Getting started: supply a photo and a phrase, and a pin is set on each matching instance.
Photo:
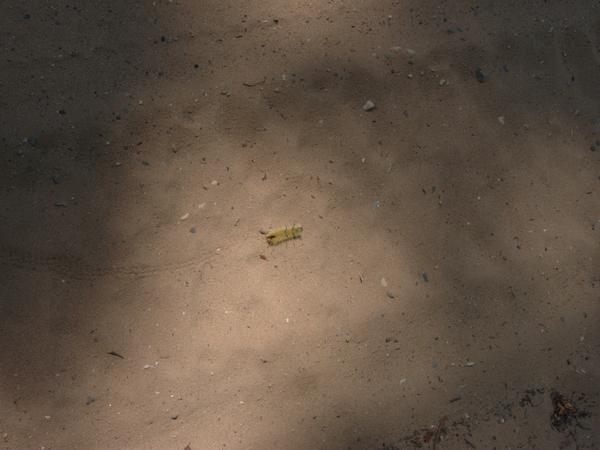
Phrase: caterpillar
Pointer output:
(278, 235)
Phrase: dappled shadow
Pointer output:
(78, 99)
(132, 211)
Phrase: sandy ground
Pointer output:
(446, 286)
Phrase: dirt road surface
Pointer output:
(444, 294)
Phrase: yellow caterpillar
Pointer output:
(278, 235)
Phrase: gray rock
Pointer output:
(369, 105)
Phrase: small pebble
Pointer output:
(214, 182)
(185, 216)
(469, 364)
(368, 106)
(425, 277)
(193, 230)
(384, 282)
(390, 294)
(501, 119)
(480, 75)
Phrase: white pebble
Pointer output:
(368, 106)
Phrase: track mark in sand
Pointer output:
(76, 268)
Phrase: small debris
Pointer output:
(469, 364)
(89, 400)
(368, 106)
(376, 204)
(384, 282)
(263, 257)
(453, 30)
(425, 277)
(31, 141)
(193, 230)
(214, 182)
(469, 443)
(455, 399)
(262, 231)
(253, 83)
(565, 412)
(527, 399)
(175, 417)
(501, 119)
(201, 205)
(503, 412)
(116, 355)
(60, 204)
(187, 447)
(186, 216)
(390, 294)
(481, 75)
(442, 82)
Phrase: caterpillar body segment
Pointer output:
(278, 235)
